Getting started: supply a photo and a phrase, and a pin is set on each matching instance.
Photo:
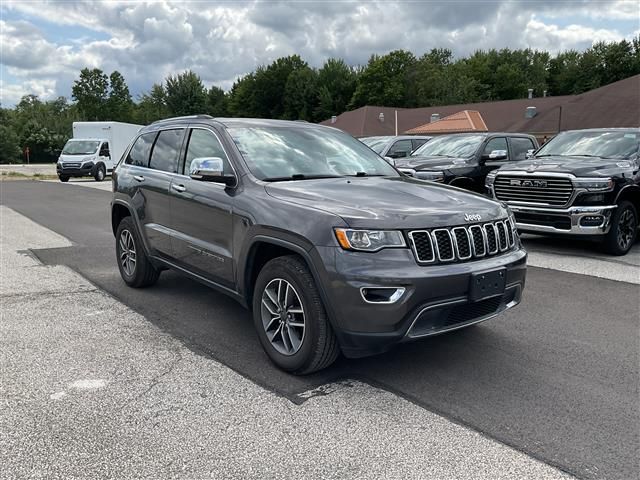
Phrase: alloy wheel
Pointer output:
(127, 252)
(283, 316)
(626, 228)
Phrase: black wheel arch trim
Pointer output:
(631, 188)
(306, 254)
(136, 222)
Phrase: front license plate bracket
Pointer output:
(487, 284)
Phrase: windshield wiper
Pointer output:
(299, 176)
(365, 174)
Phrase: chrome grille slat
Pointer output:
(462, 243)
(547, 190)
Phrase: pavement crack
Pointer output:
(156, 380)
(48, 293)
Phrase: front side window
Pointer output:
(80, 147)
(139, 153)
(453, 146)
(377, 144)
(499, 143)
(167, 150)
(520, 146)
(104, 150)
(280, 153)
(592, 143)
(401, 148)
(203, 144)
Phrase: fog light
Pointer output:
(591, 220)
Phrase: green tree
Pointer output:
(185, 94)
(300, 94)
(242, 97)
(336, 83)
(119, 104)
(386, 81)
(216, 102)
(90, 92)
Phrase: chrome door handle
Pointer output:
(179, 188)
(138, 178)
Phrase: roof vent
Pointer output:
(530, 112)
(530, 92)
(434, 117)
(381, 117)
(333, 119)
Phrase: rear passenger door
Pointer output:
(202, 212)
(154, 186)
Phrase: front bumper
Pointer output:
(595, 220)
(436, 298)
(85, 170)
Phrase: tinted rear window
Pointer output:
(139, 153)
(167, 150)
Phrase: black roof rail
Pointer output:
(185, 117)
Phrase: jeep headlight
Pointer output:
(594, 184)
(369, 240)
(432, 176)
(491, 177)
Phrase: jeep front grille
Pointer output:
(552, 191)
(462, 243)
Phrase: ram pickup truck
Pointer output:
(583, 182)
(331, 247)
(465, 159)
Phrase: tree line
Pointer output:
(289, 88)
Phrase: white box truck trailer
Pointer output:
(94, 149)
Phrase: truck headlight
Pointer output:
(369, 240)
(491, 177)
(432, 176)
(594, 184)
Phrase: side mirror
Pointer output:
(390, 161)
(495, 155)
(529, 153)
(210, 169)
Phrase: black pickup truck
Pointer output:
(582, 182)
(464, 159)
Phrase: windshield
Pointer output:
(298, 153)
(80, 147)
(592, 144)
(458, 146)
(376, 144)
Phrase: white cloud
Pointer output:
(222, 41)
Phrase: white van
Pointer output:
(94, 149)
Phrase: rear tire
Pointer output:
(63, 178)
(134, 265)
(300, 350)
(623, 231)
(100, 173)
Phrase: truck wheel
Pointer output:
(100, 173)
(63, 178)
(623, 231)
(290, 318)
(134, 265)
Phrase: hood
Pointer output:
(430, 163)
(388, 202)
(578, 166)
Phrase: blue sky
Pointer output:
(45, 44)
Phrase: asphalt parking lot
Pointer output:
(556, 378)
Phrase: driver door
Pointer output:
(491, 149)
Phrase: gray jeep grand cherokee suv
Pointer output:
(329, 246)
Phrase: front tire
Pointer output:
(100, 173)
(63, 178)
(623, 231)
(290, 318)
(135, 268)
